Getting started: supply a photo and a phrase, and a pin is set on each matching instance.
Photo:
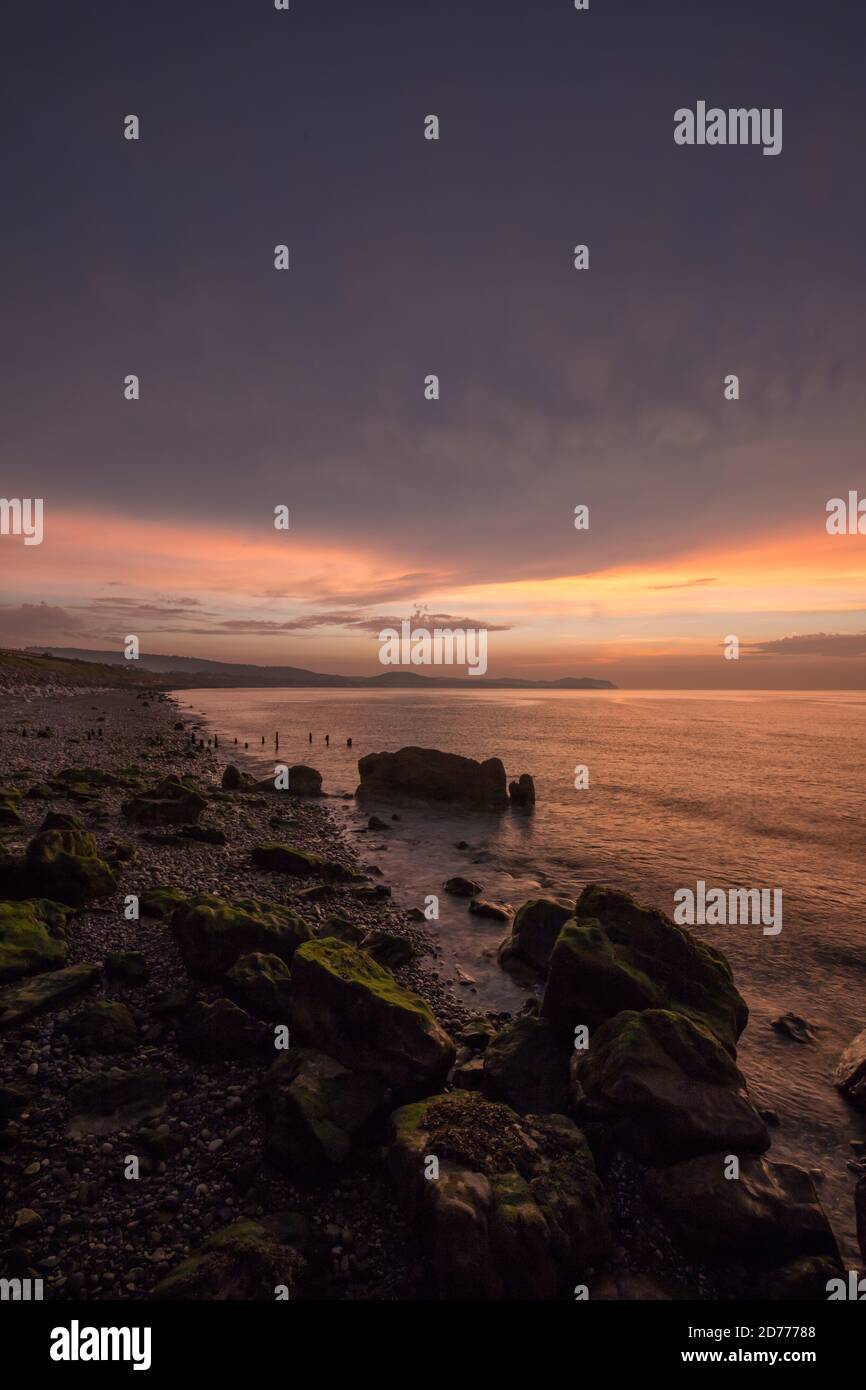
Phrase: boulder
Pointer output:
(496, 912)
(59, 820)
(426, 774)
(534, 931)
(160, 902)
(20, 1002)
(213, 932)
(283, 859)
(461, 887)
(617, 955)
(314, 1110)
(354, 1009)
(101, 1027)
(517, 1210)
(304, 781)
(173, 801)
(521, 793)
(9, 815)
(233, 780)
(219, 1032)
(32, 937)
(108, 1101)
(388, 949)
(527, 1067)
(667, 1089)
(850, 1074)
(129, 966)
(771, 1212)
(243, 1261)
(62, 865)
(262, 985)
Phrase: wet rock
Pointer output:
(173, 801)
(521, 793)
(32, 937)
(243, 1261)
(793, 1027)
(213, 932)
(354, 1009)
(527, 1067)
(479, 907)
(462, 887)
(771, 1211)
(667, 1089)
(128, 966)
(376, 823)
(426, 774)
(850, 1074)
(314, 1110)
(616, 955)
(388, 949)
(304, 781)
(204, 834)
(534, 931)
(262, 985)
(21, 1001)
(517, 1210)
(233, 780)
(219, 1032)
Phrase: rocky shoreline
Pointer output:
(158, 1139)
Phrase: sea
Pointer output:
(647, 791)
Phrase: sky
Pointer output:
(558, 388)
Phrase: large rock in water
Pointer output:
(304, 781)
(618, 955)
(667, 1089)
(244, 1261)
(314, 1109)
(850, 1075)
(212, 932)
(174, 801)
(534, 933)
(426, 774)
(32, 937)
(770, 1212)
(354, 1009)
(517, 1211)
(62, 865)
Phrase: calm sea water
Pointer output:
(754, 790)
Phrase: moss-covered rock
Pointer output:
(129, 966)
(667, 1088)
(9, 814)
(262, 985)
(213, 932)
(616, 955)
(160, 902)
(32, 937)
(315, 1110)
(770, 1212)
(173, 801)
(21, 1001)
(301, 863)
(107, 1101)
(64, 865)
(243, 1261)
(527, 1067)
(101, 1027)
(220, 1032)
(516, 1211)
(534, 931)
(354, 1009)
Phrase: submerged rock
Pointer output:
(517, 1210)
(314, 1110)
(497, 912)
(426, 774)
(666, 1088)
(243, 1261)
(794, 1027)
(262, 985)
(462, 887)
(354, 1009)
(213, 932)
(616, 955)
(32, 937)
